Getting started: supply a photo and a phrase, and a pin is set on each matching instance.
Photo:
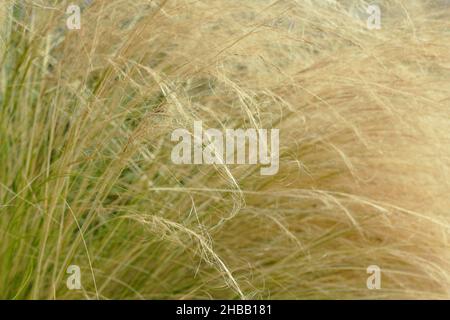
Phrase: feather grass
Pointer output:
(85, 170)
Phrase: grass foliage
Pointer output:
(86, 176)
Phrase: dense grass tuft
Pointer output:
(85, 171)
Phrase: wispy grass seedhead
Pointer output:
(86, 177)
